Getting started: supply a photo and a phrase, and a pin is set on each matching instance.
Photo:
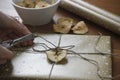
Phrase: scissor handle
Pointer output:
(6, 43)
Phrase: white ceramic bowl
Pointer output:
(34, 16)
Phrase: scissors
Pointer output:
(11, 43)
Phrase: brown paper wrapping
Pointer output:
(92, 13)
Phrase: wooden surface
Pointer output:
(109, 5)
(7, 8)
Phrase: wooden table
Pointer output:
(7, 8)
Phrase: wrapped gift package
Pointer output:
(91, 60)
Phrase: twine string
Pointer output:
(68, 48)
(51, 70)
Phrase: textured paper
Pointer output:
(35, 64)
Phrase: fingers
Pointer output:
(9, 23)
(5, 54)
(21, 30)
(12, 35)
(3, 61)
(28, 43)
(5, 21)
(4, 34)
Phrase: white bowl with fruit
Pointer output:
(36, 12)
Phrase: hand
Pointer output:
(5, 55)
(10, 28)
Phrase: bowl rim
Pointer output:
(13, 3)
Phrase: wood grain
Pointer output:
(109, 5)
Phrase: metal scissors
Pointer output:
(11, 43)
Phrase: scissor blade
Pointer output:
(23, 39)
